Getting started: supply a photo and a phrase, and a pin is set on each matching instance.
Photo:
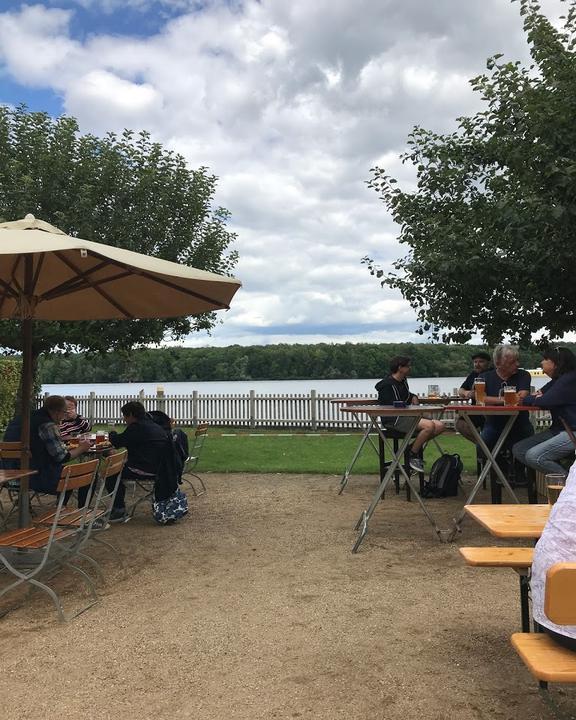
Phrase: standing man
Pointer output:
(73, 423)
(393, 388)
(481, 361)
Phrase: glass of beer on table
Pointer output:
(100, 437)
(480, 391)
(510, 395)
(555, 483)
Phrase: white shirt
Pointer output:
(557, 544)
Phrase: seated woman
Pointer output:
(542, 451)
(557, 544)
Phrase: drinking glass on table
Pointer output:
(555, 483)
(510, 395)
(480, 391)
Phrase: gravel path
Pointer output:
(255, 608)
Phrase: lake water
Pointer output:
(260, 387)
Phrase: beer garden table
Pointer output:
(513, 521)
(373, 413)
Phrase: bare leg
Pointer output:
(427, 430)
(464, 430)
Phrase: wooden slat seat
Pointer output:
(68, 517)
(546, 660)
(510, 557)
(32, 538)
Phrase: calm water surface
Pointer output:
(260, 387)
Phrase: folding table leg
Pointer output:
(489, 463)
(365, 437)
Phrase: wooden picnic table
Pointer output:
(511, 521)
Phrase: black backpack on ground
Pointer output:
(444, 477)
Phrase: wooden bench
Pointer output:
(517, 558)
(546, 660)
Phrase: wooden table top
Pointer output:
(9, 475)
(393, 411)
(511, 521)
(493, 409)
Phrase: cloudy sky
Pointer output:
(290, 103)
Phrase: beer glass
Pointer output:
(100, 437)
(480, 391)
(433, 391)
(510, 395)
(555, 483)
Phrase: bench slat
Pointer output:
(511, 557)
(545, 659)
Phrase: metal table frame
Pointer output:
(367, 425)
(374, 412)
(466, 411)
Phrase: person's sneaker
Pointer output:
(416, 464)
(100, 524)
(119, 515)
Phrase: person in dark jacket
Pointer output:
(149, 448)
(542, 451)
(481, 361)
(394, 388)
(48, 452)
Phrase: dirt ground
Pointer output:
(255, 608)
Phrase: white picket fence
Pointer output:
(307, 411)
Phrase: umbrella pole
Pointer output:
(24, 494)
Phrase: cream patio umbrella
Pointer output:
(48, 275)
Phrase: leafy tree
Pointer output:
(491, 224)
(122, 190)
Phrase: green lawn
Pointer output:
(301, 453)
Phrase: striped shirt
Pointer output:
(74, 427)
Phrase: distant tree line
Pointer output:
(267, 362)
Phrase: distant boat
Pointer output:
(537, 372)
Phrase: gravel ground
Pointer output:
(255, 608)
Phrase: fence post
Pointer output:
(252, 409)
(160, 399)
(194, 408)
(91, 406)
(313, 410)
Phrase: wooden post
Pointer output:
(91, 406)
(194, 408)
(252, 409)
(313, 410)
(160, 399)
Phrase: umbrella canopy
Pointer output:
(48, 275)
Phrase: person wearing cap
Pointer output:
(481, 363)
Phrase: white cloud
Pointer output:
(290, 104)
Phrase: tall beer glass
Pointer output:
(480, 391)
(510, 395)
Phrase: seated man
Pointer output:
(147, 444)
(394, 388)
(48, 452)
(506, 372)
(557, 544)
(179, 439)
(73, 423)
(481, 361)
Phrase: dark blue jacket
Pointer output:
(558, 396)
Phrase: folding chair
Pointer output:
(200, 436)
(31, 552)
(10, 458)
(93, 520)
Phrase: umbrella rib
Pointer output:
(72, 284)
(93, 285)
(38, 269)
(75, 285)
(8, 287)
